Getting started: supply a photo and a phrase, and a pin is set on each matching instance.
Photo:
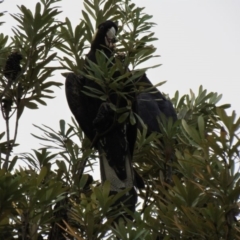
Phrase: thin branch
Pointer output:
(5, 165)
(16, 129)
(0, 158)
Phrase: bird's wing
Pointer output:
(148, 110)
(152, 104)
(165, 106)
(77, 102)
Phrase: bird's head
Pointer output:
(105, 36)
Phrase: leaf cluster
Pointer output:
(50, 199)
(34, 40)
(202, 201)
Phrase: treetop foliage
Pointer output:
(48, 200)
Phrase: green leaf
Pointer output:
(191, 132)
(31, 105)
(12, 163)
(2, 134)
(132, 118)
(41, 175)
(201, 127)
(87, 20)
(62, 127)
(123, 117)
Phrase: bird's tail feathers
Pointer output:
(108, 173)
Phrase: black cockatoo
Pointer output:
(114, 141)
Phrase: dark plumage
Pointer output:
(115, 142)
(152, 104)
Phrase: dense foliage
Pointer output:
(48, 199)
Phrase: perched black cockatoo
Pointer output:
(114, 141)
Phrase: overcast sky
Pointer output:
(199, 44)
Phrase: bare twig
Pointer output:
(16, 124)
(9, 148)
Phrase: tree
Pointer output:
(49, 199)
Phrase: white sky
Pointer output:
(199, 44)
